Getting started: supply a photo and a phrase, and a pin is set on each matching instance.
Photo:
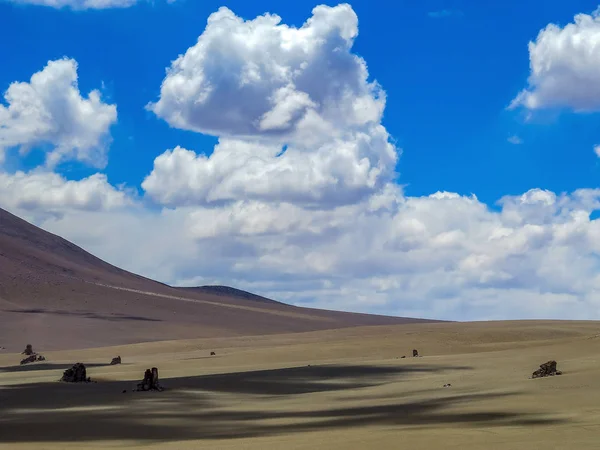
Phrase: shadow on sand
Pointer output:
(192, 407)
(43, 366)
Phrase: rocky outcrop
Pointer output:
(547, 369)
(150, 381)
(76, 374)
(32, 358)
(115, 361)
(28, 350)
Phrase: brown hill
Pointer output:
(55, 295)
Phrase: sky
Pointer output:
(437, 158)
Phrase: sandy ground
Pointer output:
(260, 392)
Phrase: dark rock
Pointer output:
(213, 354)
(547, 369)
(29, 359)
(402, 357)
(28, 350)
(76, 374)
(150, 381)
(415, 353)
(116, 360)
(33, 358)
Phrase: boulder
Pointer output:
(150, 381)
(213, 354)
(76, 374)
(548, 369)
(415, 353)
(116, 360)
(28, 350)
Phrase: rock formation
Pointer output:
(547, 369)
(28, 350)
(76, 374)
(116, 360)
(32, 358)
(150, 381)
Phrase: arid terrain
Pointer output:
(48, 284)
(281, 377)
(339, 389)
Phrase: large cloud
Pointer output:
(338, 172)
(442, 255)
(260, 77)
(565, 63)
(298, 119)
(49, 111)
(246, 215)
(81, 4)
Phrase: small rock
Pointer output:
(213, 354)
(115, 361)
(447, 385)
(547, 369)
(415, 353)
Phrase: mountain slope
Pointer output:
(56, 295)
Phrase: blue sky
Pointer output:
(448, 81)
(449, 70)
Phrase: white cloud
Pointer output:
(442, 255)
(337, 172)
(50, 111)
(298, 119)
(597, 150)
(81, 4)
(322, 224)
(263, 78)
(515, 140)
(50, 193)
(565, 63)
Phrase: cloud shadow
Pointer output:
(192, 408)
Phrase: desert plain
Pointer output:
(335, 389)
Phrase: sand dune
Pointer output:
(49, 284)
(260, 392)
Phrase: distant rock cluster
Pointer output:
(32, 356)
(547, 369)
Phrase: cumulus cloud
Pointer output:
(297, 116)
(337, 172)
(261, 77)
(298, 202)
(81, 4)
(564, 67)
(442, 255)
(49, 111)
(597, 150)
(47, 192)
